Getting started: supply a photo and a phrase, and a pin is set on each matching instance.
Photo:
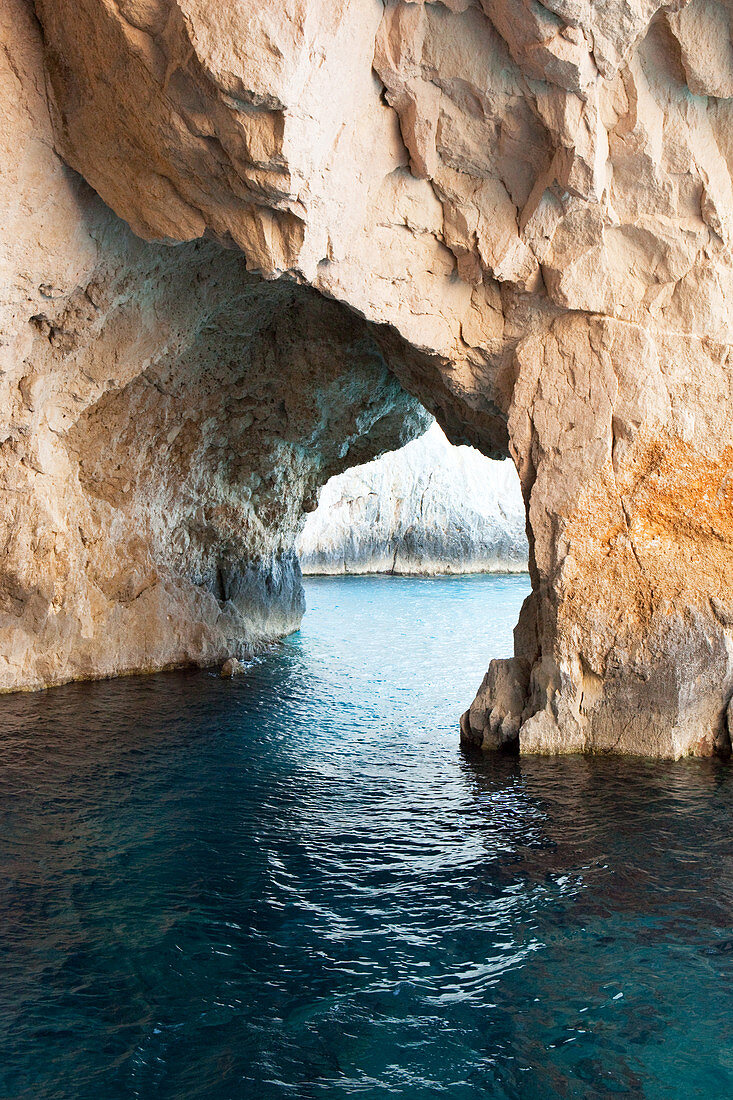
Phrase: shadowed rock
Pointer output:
(520, 215)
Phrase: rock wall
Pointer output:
(521, 211)
(168, 416)
(427, 508)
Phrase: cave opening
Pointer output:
(267, 868)
(183, 474)
(429, 508)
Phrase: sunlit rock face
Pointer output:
(168, 417)
(427, 508)
(525, 208)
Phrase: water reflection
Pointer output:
(295, 884)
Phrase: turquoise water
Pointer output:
(295, 885)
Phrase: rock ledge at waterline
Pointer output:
(318, 215)
(428, 508)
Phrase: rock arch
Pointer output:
(521, 212)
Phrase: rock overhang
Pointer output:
(528, 207)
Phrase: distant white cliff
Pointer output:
(427, 508)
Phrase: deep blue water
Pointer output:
(295, 885)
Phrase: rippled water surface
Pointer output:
(294, 885)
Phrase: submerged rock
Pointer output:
(232, 667)
(427, 508)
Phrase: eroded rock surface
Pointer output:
(520, 210)
(427, 508)
(168, 416)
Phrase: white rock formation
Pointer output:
(427, 508)
(521, 213)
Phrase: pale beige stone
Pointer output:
(233, 667)
(522, 212)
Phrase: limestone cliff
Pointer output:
(168, 416)
(427, 508)
(520, 211)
